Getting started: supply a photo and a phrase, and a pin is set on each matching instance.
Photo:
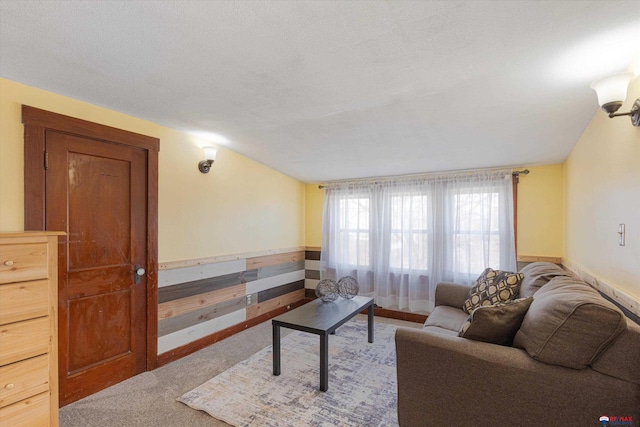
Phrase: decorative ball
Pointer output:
(348, 287)
(327, 290)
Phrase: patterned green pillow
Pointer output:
(492, 287)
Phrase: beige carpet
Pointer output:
(362, 383)
(149, 399)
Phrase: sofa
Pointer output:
(571, 358)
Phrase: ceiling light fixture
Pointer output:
(210, 156)
(612, 91)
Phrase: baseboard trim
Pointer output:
(399, 315)
(192, 347)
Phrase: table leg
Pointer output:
(370, 322)
(324, 362)
(276, 349)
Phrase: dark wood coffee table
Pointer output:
(320, 318)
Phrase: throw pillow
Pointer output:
(569, 324)
(537, 274)
(496, 323)
(480, 284)
(492, 287)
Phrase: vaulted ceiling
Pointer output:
(326, 90)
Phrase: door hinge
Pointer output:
(46, 160)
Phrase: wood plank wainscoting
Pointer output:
(311, 270)
(203, 301)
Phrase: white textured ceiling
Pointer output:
(325, 90)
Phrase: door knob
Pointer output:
(138, 272)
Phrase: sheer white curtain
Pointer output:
(400, 237)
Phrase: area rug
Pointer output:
(362, 383)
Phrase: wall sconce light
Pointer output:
(210, 156)
(612, 91)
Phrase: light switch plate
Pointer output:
(621, 234)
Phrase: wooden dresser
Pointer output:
(28, 329)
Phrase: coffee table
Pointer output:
(320, 318)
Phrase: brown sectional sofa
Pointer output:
(575, 358)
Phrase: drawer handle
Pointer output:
(8, 263)
(9, 386)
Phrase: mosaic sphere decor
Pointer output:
(348, 287)
(327, 290)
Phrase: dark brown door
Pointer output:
(97, 192)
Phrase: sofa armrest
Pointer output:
(448, 380)
(451, 294)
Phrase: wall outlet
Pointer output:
(249, 299)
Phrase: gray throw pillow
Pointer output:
(537, 274)
(569, 324)
(496, 323)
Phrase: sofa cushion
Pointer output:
(620, 359)
(569, 324)
(438, 330)
(451, 294)
(492, 287)
(537, 274)
(446, 317)
(496, 323)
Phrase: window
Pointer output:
(476, 232)
(400, 238)
(354, 230)
(409, 232)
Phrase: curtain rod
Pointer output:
(515, 173)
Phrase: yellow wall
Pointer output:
(602, 178)
(313, 214)
(240, 206)
(243, 206)
(541, 211)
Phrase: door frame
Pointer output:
(36, 123)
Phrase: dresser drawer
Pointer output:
(23, 379)
(22, 301)
(32, 412)
(22, 340)
(22, 262)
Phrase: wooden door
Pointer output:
(99, 185)
(95, 192)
